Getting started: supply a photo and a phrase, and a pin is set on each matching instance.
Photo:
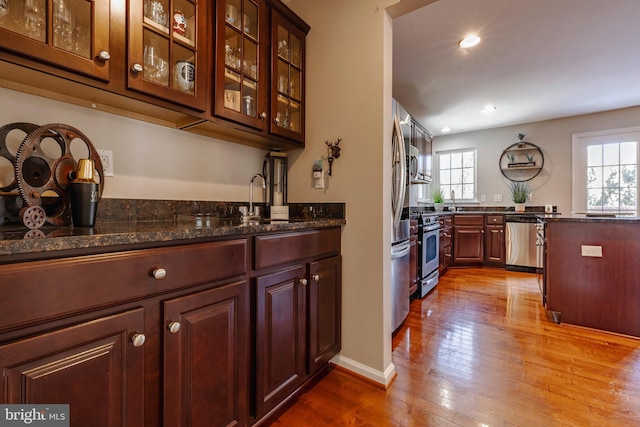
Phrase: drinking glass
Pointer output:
(30, 17)
(63, 26)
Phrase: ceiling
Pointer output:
(538, 60)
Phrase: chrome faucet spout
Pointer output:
(264, 185)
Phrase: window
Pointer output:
(605, 166)
(457, 173)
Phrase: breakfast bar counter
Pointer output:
(592, 272)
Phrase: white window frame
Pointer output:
(579, 144)
(437, 172)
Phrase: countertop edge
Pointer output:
(126, 234)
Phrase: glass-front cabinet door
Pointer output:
(70, 34)
(167, 50)
(240, 78)
(287, 85)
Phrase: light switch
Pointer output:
(483, 198)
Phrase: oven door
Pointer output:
(429, 250)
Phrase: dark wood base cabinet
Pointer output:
(165, 336)
(298, 319)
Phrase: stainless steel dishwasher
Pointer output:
(522, 252)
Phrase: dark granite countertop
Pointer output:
(147, 223)
(16, 239)
(589, 219)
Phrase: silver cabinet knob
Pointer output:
(104, 55)
(174, 327)
(159, 273)
(276, 121)
(263, 115)
(138, 340)
(316, 277)
(303, 282)
(137, 68)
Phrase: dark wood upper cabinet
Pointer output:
(259, 67)
(287, 78)
(167, 50)
(70, 34)
(241, 66)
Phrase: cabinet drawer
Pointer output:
(275, 249)
(468, 219)
(446, 221)
(43, 290)
(495, 219)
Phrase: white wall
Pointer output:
(553, 184)
(150, 161)
(349, 97)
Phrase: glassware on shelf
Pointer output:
(30, 18)
(155, 66)
(154, 10)
(63, 26)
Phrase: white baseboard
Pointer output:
(382, 378)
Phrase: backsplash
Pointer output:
(141, 210)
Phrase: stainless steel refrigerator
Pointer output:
(400, 242)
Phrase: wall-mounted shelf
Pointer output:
(521, 161)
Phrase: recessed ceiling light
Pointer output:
(469, 41)
(445, 129)
(487, 109)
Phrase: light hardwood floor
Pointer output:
(480, 351)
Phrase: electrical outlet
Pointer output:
(497, 197)
(106, 157)
(591, 251)
(529, 197)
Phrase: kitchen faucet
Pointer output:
(251, 214)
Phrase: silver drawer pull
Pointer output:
(159, 273)
(174, 327)
(138, 340)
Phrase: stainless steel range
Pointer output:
(428, 253)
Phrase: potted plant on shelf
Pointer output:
(519, 194)
(438, 199)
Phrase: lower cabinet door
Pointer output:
(324, 311)
(94, 367)
(280, 336)
(206, 359)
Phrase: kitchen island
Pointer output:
(592, 271)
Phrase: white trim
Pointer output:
(383, 378)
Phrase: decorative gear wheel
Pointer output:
(5, 151)
(45, 164)
(33, 217)
(10, 200)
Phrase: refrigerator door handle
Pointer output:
(399, 172)
(401, 250)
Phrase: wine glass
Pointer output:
(32, 18)
(63, 25)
